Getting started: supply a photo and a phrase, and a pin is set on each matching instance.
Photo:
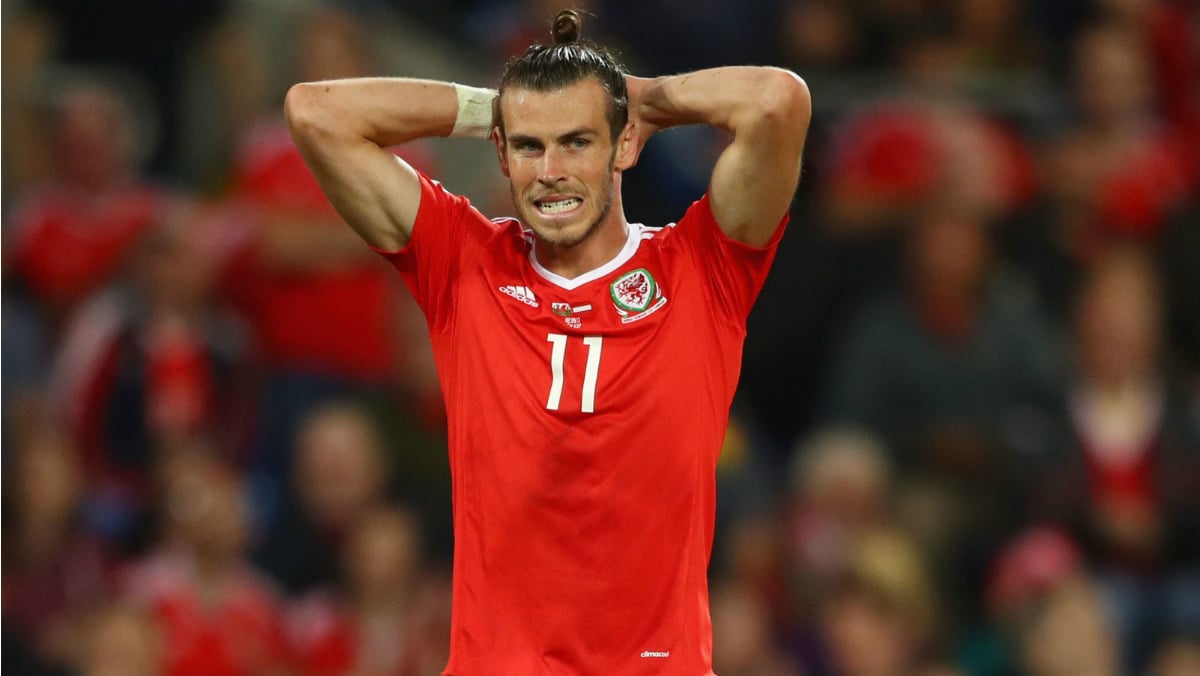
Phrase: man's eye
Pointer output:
(525, 147)
(578, 143)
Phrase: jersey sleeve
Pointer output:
(732, 272)
(431, 261)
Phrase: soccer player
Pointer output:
(588, 363)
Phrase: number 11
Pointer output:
(558, 354)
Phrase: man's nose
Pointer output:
(551, 167)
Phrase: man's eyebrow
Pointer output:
(577, 133)
(520, 139)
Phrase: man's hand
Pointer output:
(637, 88)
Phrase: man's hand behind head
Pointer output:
(637, 87)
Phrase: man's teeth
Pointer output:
(559, 206)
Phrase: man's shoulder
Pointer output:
(654, 232)
(697, 221)
(439, 202)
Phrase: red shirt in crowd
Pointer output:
(235, 630)
(340, 321)
(68, 244)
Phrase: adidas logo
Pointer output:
(521, 293)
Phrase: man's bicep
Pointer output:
(755, 177)
(750, 193)
(374, 191)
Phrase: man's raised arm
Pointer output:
(344, 127)
(766, 109)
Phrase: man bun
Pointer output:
(566, 27)
(569, 60)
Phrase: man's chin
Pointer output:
(560, 240)
(562, 237)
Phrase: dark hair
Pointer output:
(564, 63)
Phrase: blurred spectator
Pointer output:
(1139, 459)
(152, 362)
(743, 644)
(217, 615)
(70, 236)
(331, 315)
(855, 36)
(388, 617)
(1028, 566)
(1168, 32)
(821, 35)
(841, 492)
(880, 618)
(883, 162)
(753, 556)
(893, 159)
(54, 570)
(148, 38)
(995, 44)
(122, 639)
(843, 525)
(1116, 172)
(1139, 169)
(1129, 483)
(940, 369)
(1177, 657)
(339, 477)
(1048, 610)
(883, 154)
(28, 38)
(956, 373)
(1070, 634)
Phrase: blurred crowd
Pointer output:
(967, 439)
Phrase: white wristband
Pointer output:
(474, 112)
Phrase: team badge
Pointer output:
(636, 295)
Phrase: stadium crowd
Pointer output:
(967, 438)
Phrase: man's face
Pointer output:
(560, 159)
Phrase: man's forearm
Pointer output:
(385, 111)
(728, 98)
(343, 129)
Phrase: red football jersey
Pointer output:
(585, 419)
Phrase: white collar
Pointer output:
(633, 238)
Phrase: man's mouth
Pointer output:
(557, 206)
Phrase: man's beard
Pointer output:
(592, 227)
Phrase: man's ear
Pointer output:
(628, 147)
(498, 139)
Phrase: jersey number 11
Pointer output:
(558, 354)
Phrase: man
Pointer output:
(588, 363)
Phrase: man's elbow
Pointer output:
(786, 102)
(305, 111)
